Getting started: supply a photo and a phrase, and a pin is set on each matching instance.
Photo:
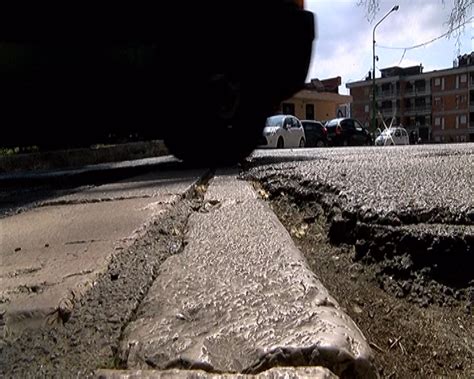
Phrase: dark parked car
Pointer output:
(347, 132)
(316, 133)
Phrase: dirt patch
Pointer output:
(408, 340)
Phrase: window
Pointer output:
(437, 82)
(463, 119)
(288, 108)
(366, 109)
(310, 111)
(437, 121)
(457, 122)
(463, 99)
(442, 84)
(457, 81)
(347, 125)
(463, 78)
(437, 101)
(442, 123)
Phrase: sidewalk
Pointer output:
(52, 254)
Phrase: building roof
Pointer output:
(324, 85)
(464, 63)
(323, 96)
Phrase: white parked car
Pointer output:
(283, 131)
(393, 136)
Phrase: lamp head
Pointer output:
(395, 8)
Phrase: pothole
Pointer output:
(417, 324)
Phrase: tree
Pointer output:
(459, 16)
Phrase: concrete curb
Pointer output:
(241, 298)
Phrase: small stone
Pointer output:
(17, 249)
(357, 309)
(46, 245)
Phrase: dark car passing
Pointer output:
(347, 132)
(316, 133)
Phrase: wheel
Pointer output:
(226, 126)
(280, 143)
(302, 142)
(320, 143)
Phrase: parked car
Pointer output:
(283, 131)
(315, 132)
(393, 136)
(347, 132)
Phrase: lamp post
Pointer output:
(395, 8)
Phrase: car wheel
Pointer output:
(228, 124)
(302, 142)
(280, 143)
(320, 143)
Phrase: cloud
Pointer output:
(344, 44)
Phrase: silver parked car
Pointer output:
(283, 131)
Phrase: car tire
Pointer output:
(320, 143)
(280, 143)
(302, 143)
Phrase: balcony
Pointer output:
(388, 112)
(387, 94)
(418, 110)
(417, 91)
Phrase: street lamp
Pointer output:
(395, 8)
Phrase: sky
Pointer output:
(344, 38)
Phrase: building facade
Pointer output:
(319, 100)
(437, 106)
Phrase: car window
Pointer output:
(275, 121)
(347, 124)
(358, 125)
(288, 122)
(404, 133)
(296, 123)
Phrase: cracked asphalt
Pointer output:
(430, 183)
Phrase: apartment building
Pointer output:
(437, 106)
(319, 100)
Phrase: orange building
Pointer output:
(319, 100)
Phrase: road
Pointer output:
(157, 266)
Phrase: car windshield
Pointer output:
(275, 121)
(388, 132)
(332, 123)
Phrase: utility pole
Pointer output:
(395, 8)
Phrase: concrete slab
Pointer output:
(274, 373)
(240, 298)
(51, 255)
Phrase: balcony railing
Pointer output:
(418, 109)
(418, 91)
(387, 94)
